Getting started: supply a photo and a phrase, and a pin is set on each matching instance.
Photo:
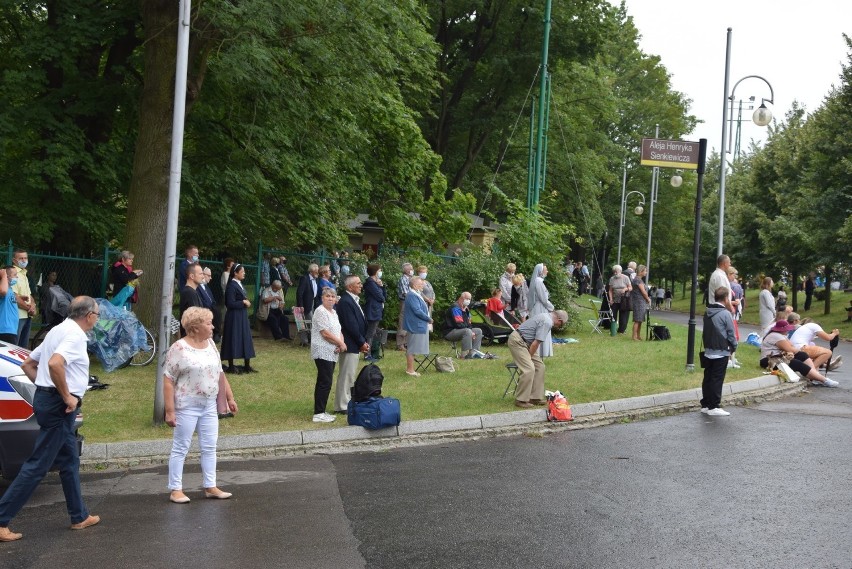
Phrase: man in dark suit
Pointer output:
(308, 290)
(354, 328)
(206, 295)
(189, 293)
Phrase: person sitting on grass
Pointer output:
(776, 348)
(457, 327)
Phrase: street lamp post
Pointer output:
(638, 210)
(762, 117)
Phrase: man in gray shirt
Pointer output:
(523, 344)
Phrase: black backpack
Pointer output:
(368, 383)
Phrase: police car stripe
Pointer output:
(12, 407)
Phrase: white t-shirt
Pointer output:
(805, 334)
(718, 279)
(69, 341)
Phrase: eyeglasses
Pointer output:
(93, 312)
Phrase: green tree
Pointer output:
(302, 122)
(67, 120)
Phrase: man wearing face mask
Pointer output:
(523, 344)
(8, 306)
(23, 297)
(428, 293)
(457, 327)
(286, 282)
(191, 257)
(402, 289)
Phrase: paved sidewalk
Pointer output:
(429, 431)
(98, 456)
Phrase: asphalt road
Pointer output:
(767, 487)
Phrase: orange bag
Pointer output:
(558, 408)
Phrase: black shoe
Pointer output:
(249, 369)
(233, 369)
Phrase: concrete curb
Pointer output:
(100, 456)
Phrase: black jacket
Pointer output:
(352, 323)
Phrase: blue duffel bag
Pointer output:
(374, 413)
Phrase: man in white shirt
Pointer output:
(803, 339)
(719, 279)
(59, 367)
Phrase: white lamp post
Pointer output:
(762, 117)
(638, 210)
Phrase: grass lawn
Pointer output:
(839, 302)
(280, 397)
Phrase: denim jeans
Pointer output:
(195, 414)
(56, 444)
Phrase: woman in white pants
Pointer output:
(193, 381)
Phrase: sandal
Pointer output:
(412, 373)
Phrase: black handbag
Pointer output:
(702, 358)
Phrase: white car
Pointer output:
(18, 426)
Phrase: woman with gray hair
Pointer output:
(619, 296)
(416, 321)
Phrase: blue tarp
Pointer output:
(117, 336)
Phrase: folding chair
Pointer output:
(514, 376)
(424, 361)
(603, 316)
(303, 326)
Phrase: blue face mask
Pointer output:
(195, 258)
(13, 282)
(23, 264)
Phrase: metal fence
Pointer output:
(90, 275)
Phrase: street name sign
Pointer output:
(669, 153)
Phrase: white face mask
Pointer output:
(379, 275)
(466, 302)
(423, 275)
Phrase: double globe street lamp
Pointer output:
(762, 116)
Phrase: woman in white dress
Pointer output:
(539, 303)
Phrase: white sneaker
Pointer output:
(830, 383)
(835, 363)
(324, 418)
(704, 410)
(718, 412)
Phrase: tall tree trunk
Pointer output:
(828, 273)
(147, 202)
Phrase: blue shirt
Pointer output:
(9, 314)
